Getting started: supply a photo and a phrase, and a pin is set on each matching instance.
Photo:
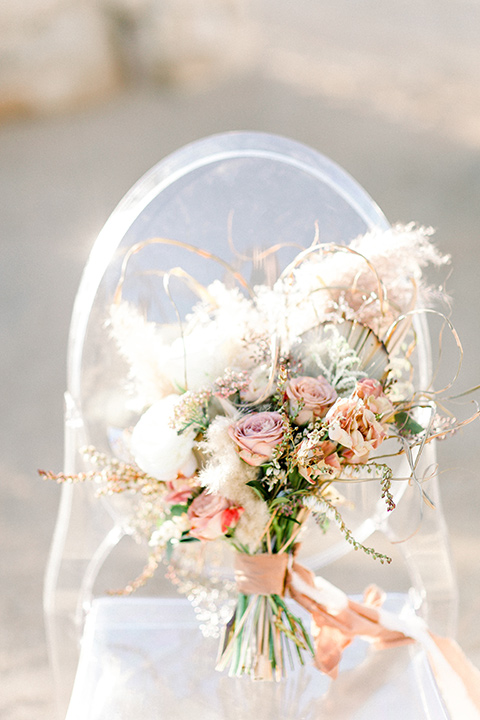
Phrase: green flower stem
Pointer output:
(262, 632)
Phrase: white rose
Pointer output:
(157, 448)
(259, 379)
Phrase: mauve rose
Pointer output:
(211, 515)
(352, 424)
(257, 434)
(312, 395)
(371, 392)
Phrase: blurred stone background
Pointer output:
(94, 92)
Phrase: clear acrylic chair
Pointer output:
(143, 656)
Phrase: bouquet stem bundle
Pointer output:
(259, 637)
(263, 631)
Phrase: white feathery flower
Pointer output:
(141, 343)
(227, 474)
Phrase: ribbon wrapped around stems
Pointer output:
(337, 620)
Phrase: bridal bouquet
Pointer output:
(258, 408)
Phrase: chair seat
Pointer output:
(145, 659)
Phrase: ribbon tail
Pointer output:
(457, 678)
(329, 644)
(337, 620)
(464, 668)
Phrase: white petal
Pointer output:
(157, 448)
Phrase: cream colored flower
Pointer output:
(157, 448)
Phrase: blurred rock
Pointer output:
(54, 55)
(182, 41)
(59, 54)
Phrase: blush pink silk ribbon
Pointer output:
(337, 620)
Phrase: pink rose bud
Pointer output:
(257, 435)
(179, 493)
(371, 392)
(211, 516)
(309, 398)
(369, 387)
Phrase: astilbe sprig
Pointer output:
(112, 475)
(315, 504)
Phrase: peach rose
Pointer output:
(313, 459)
(257, 434)
(371, 392)
(308, 398)
(352, 424)
(211, 516)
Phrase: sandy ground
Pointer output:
(391, 95)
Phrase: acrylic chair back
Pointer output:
(236, 196)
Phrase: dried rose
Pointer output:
(180, 492)
(318, 460)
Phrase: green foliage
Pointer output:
(259, 488)
(178, 509)
(406, 425)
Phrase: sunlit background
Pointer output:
(95, 92)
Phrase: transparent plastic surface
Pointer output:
(234, 195)
(145, 660)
